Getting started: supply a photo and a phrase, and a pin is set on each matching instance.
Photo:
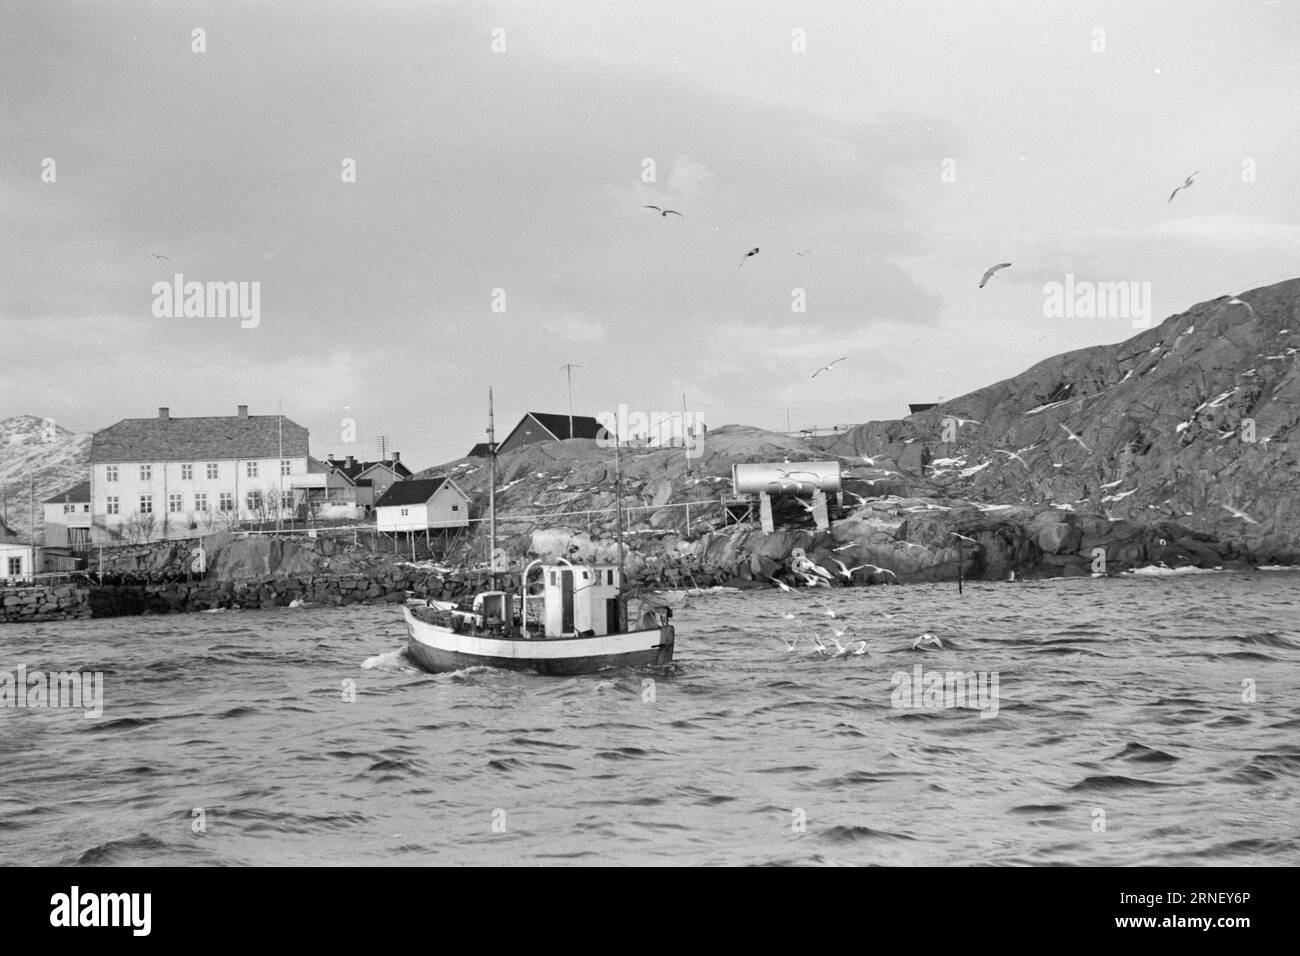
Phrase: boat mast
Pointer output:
(492, 496)
(618, 526)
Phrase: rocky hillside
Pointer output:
(1192, 420)
(39, 455)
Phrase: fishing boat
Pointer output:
(552, 617)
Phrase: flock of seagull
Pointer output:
(989, 273)
(850, 646)
(817, 576)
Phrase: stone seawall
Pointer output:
(67, 602)
(58, 603)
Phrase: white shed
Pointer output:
(18, 562)
(418, 504)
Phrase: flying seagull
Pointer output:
(876, 569)
(159, 255)
(1237, 513)
(1012, 454)
(751, 252)
(1235, 301)
(781, 584)
(803, 565)
(664, 212)
(991, 270)
(789, 645)
(804, 253)
(1074, 437)
(1187, 183)
(927, 640)
(827, 368)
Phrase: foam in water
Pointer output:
(387, 661)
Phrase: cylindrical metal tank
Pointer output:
(786, 477)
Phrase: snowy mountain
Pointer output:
(38, 459)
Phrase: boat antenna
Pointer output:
(492, 495)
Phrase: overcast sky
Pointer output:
(522, 170)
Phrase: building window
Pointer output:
(404, 512)
(111, 505)
(146, 472)
(110, 472)
(187, 472)
(227, 502)
(286, 500)
(212, 469)
(250, 469)
(146, 504)
(174, 505)
(15, 567)
(455, 507)
(253, 501)
(85, 508)
(69, 509)
(286, 466)
(201, 502)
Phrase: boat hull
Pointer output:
(440, 650)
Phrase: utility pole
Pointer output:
(569, 367)
(279, 505)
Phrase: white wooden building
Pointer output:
(423, 503)
(67, 518)
(164, 477)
